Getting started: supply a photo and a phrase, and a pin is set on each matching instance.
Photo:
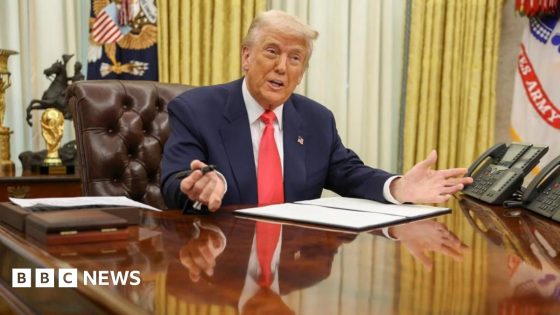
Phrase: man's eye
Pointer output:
(295, 59)
(270, 51)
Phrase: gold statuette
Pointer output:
(7, 167)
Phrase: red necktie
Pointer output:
(270, 191)
(269, 173)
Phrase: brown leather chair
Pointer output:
(121, 127)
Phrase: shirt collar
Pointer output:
(254, 110)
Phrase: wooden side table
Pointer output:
(40, 186)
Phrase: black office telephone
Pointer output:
(543, 193)
(499, 172)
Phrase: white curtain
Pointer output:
(356, 70)
(41, 31)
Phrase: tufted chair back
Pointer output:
(121, 127)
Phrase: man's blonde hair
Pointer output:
(284, 22)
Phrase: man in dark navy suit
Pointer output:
(221, 125)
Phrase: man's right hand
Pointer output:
(207, 189)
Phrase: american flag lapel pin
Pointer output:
(300, 140)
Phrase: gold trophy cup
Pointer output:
(52, 129)
(7, 167)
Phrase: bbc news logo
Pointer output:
(68, 278)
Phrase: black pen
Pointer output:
(187, 173)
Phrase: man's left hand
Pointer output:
(422, 184)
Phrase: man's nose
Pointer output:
(281, 64)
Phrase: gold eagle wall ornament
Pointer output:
(141, 20)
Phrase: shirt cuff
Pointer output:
(387, 191)
(223, 180)
(385, 232)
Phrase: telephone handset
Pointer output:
(495, 153)
(543, 193)
(499, 172)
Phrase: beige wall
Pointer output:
(512, 28)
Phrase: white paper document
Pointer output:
(374, 206)
(80, 202)
(350, 213)
(323, 215)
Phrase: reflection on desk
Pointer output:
(532, 261)
(199, 264)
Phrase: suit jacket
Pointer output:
(211, 124)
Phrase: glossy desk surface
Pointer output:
(192, 264)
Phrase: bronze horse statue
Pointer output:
(54, 96)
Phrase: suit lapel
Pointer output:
(236, 137)
(294, 153)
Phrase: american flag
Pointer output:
(105, 29)
(125, 13)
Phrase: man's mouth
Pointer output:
(276, 83)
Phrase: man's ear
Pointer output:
(245, 55)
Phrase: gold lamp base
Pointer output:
(7, 167)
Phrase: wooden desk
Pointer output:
(40, 186)
(508, 265)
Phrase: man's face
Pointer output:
(274, 65)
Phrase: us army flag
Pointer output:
(536, 98)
